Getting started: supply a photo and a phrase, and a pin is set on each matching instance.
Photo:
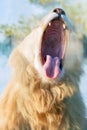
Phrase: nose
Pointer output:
(59, 11)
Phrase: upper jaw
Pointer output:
(56, 13)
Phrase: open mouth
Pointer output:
(53, 47)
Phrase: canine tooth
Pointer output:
(67, 22)
(64, 26)
(48, 18)
(49, 23)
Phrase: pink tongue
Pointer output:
(51, 67)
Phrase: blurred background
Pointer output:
(19, 17)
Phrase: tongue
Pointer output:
(51, 67)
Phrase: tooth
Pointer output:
(49, 23)
(47, 19)
(66, 21)
(64, 26)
